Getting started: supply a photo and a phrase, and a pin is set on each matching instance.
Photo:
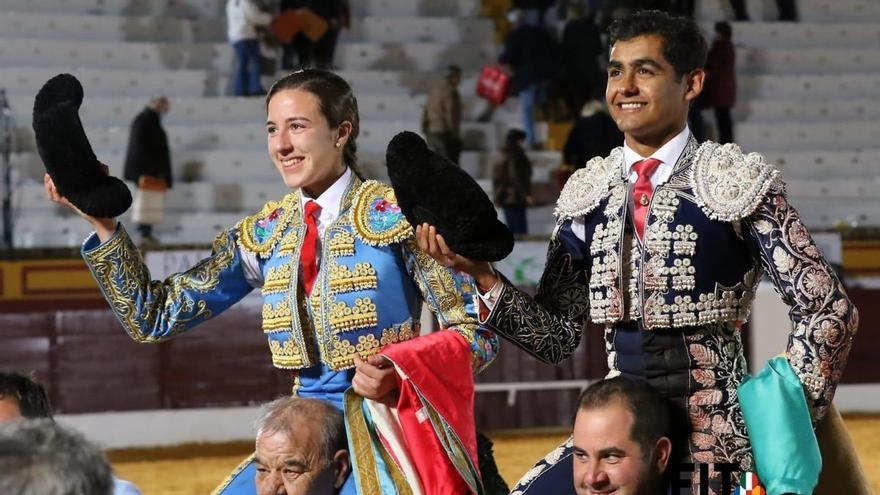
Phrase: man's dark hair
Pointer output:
(724, 29)
(452, 70)
(513, 137)
(683, 44)
(30, 395)
(649, 409)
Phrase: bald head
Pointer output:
(160, 104)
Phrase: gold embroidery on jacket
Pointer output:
(360, 216)
(342, 279)
(344, 318)
(277, 279)
(277, 317)
(247, 232)
(289, 243)
(342, 244)
(119, 269)
(286, 355)
(399, 333)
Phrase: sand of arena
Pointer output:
(197, 468)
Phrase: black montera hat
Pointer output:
(67, 155)
(432, 189)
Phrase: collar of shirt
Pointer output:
(329, 201)
(667, 154)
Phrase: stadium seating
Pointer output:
(806, 99)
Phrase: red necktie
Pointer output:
(307, 260)
(642, 191)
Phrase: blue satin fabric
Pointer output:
(780, 429)
(320, 382)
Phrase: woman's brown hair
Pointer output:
(337, 102)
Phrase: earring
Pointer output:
(336, 145)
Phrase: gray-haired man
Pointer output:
(301, 448)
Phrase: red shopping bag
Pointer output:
(493, 83)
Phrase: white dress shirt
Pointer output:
(330, 201)
(668, 155)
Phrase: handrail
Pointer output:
(513, 387)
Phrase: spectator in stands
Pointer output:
(533, 10)
(512, 182)
(148, 165)
(720, 92)
(22, 398)
(593, 134)
(334, 232)
(739, 10)
(298, 52)
(531, 53)
(39, 457)
(441, 116)
(243, 17)
(622, 439)
(320, 53)
(581, 49)
(337, 13)
(787, 11)
(616, 258)
(301, 448)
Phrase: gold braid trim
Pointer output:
(361, 443)
(404, 332)
(342, 244)
(288, 243)
(344, 318)
(454, 448)
(277, 279)
(222, 486)
(361, 278)
(363, 206)
(395, 472)
(124, 279)
(277, 317)
(286, 355)
(247, 226)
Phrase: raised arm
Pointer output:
(156, 310)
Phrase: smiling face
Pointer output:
(645, 98)
(305, 150)
(607, 459)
